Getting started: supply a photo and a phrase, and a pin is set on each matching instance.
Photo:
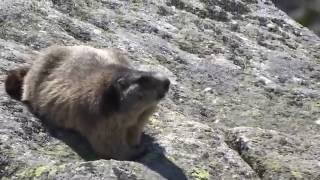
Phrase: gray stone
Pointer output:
(258, 121)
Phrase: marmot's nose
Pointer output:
(166, 85)
(164, 81)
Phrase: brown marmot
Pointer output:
(93, 91)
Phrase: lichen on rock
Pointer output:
(244, 100)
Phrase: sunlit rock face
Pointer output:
(244, 101)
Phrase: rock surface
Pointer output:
(244, 101)
(306, 12)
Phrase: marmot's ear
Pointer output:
(120, 84)
(111, 99)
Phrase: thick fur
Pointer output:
(93, 91)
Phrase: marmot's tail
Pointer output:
(14, 82)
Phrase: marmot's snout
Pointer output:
(165, 88)
(164, 84)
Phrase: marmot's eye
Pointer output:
(122, 84)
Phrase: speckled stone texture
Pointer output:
(244, 101)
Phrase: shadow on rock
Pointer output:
(154, 159)
(158, 162)
(74, 140)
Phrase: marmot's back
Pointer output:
(64, 78)
(83, 60)
(73, 63)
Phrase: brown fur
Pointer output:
(95, 92)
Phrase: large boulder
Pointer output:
(244, 101)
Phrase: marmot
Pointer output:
(93, 91)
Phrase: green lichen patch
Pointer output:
(272, 164)
(296, 174)
(200, 174)
(59, 150)
(34, 172)
(38, 171)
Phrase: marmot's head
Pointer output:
(133, 90)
